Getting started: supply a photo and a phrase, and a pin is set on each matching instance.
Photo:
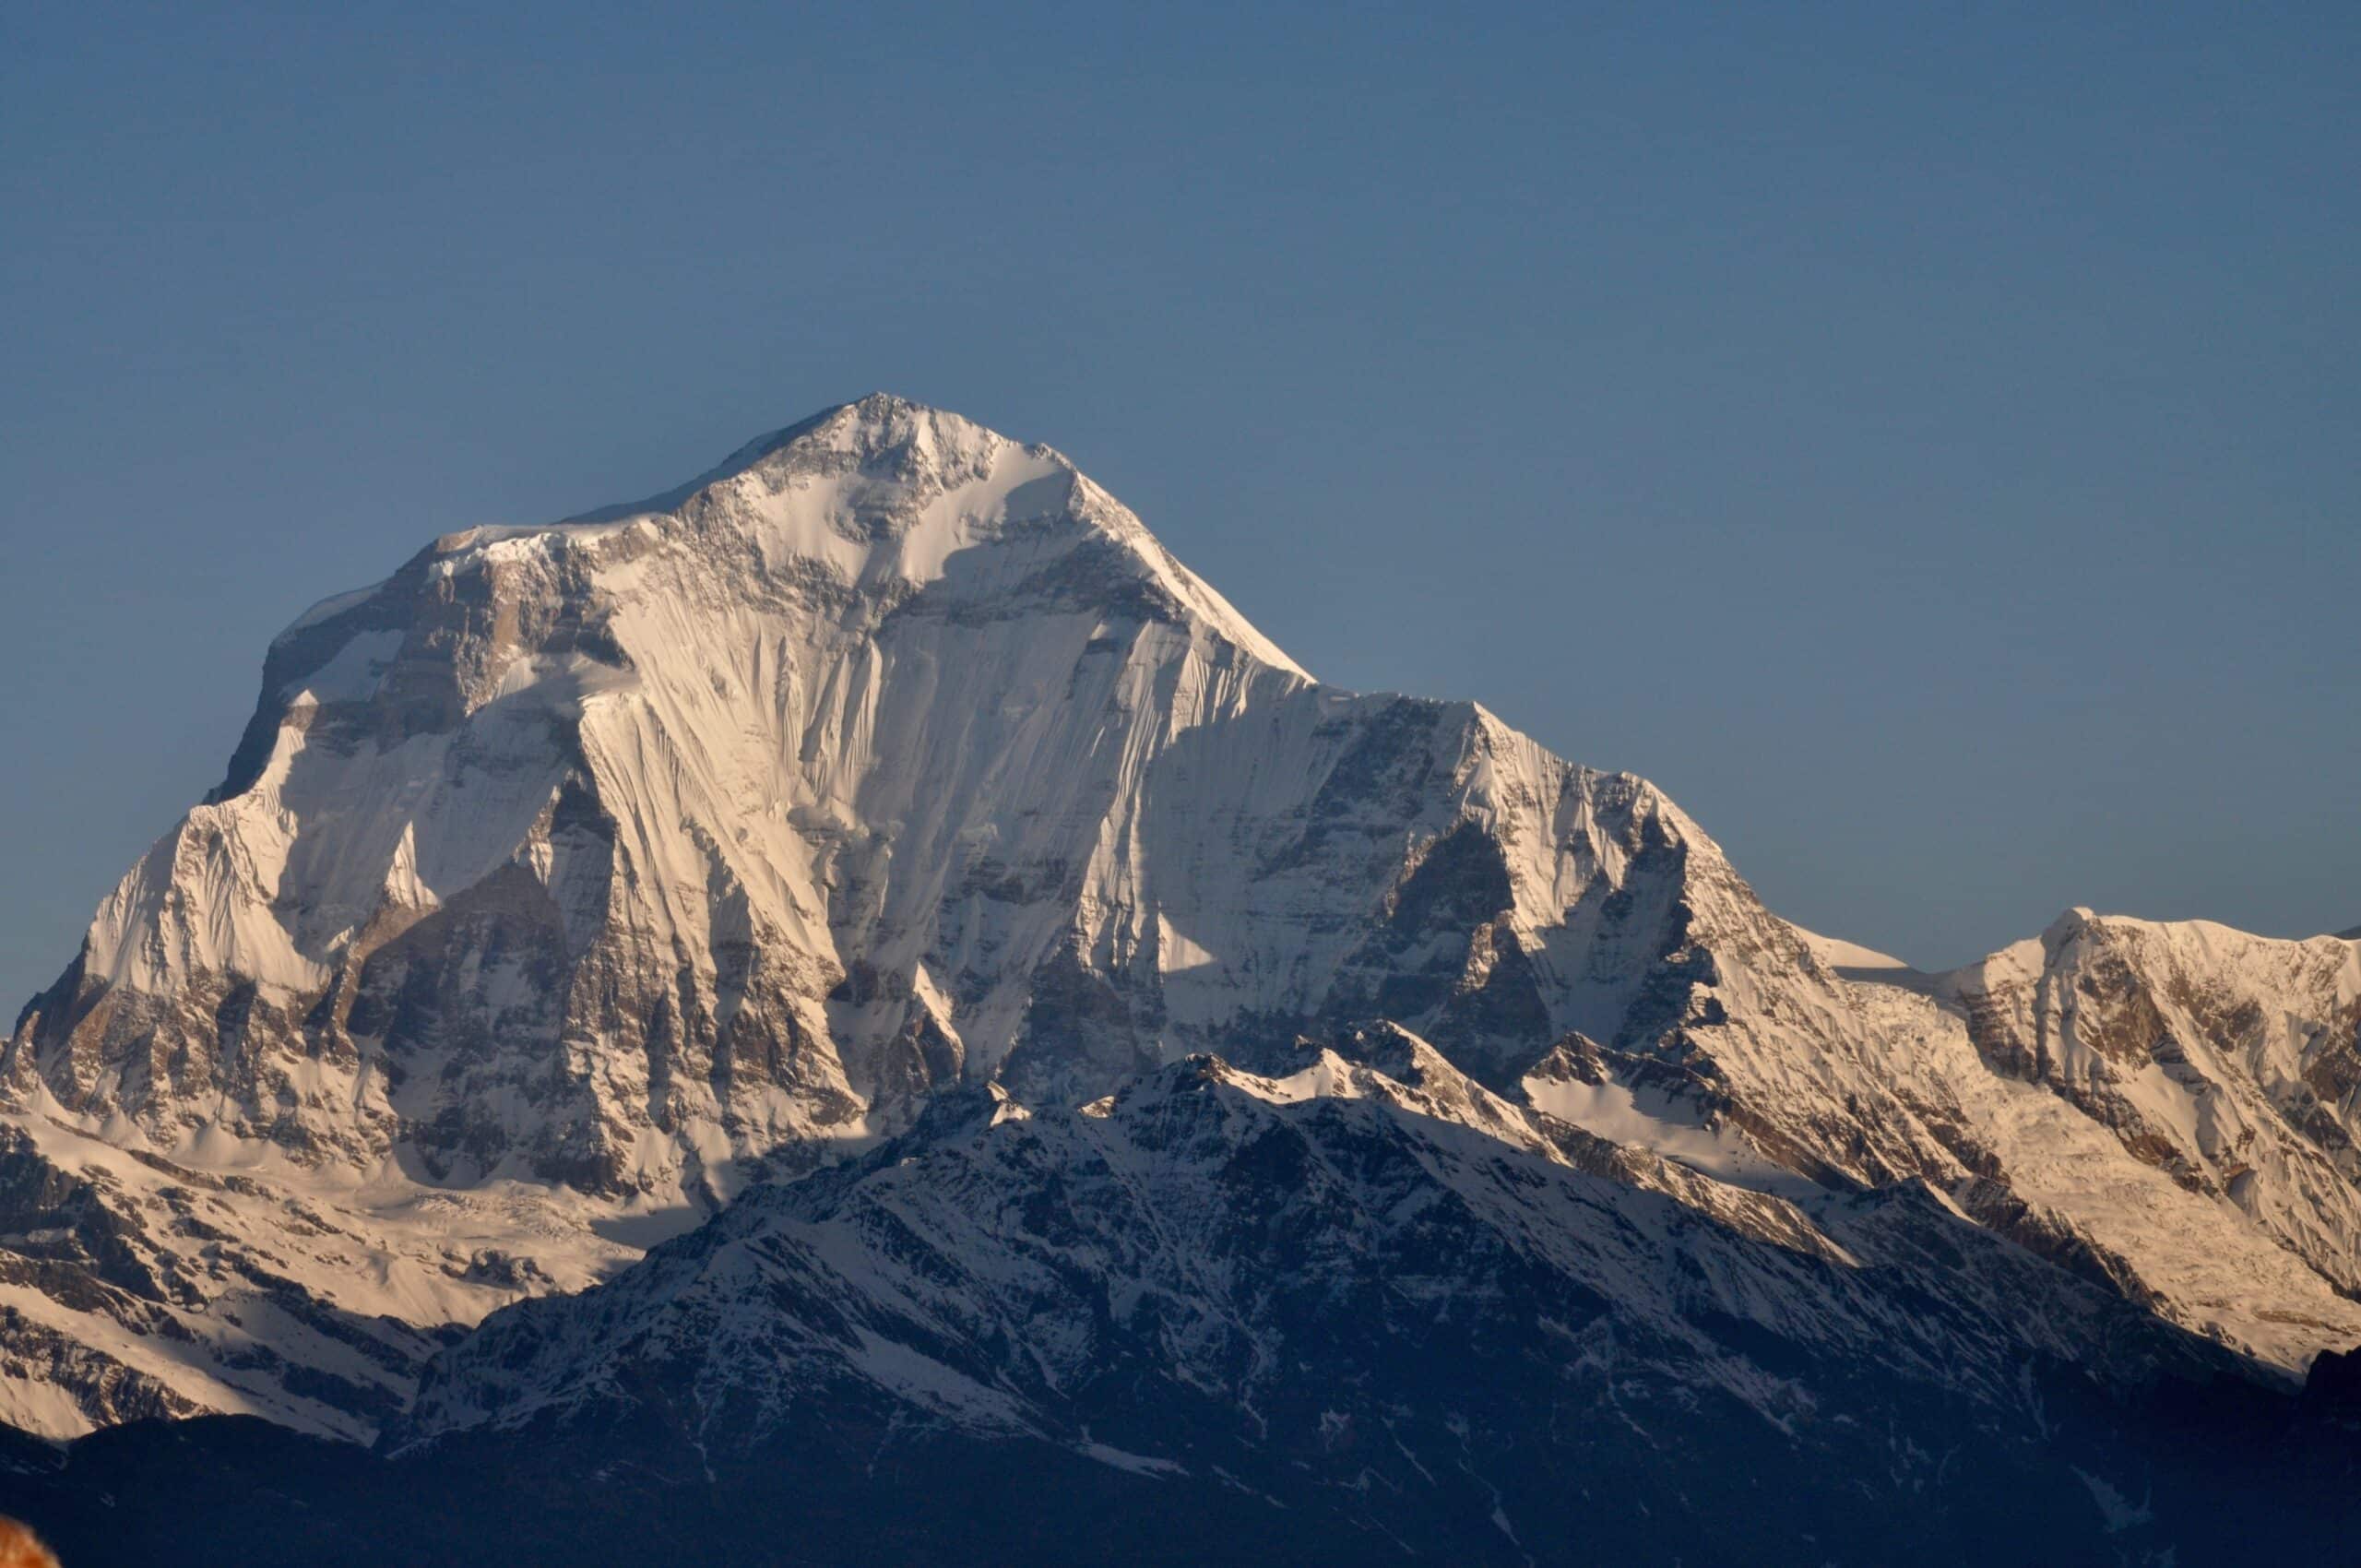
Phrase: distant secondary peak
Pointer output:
(2069, 925)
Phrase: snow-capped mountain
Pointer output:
(1368, 1309)
(1850, 1068)
(1398, 1298)
(577, 877)
(1202, 1224)
(2227, 1062)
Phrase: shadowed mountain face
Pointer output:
(1212, 1242)
(1344, 1316)
(1099, 1039)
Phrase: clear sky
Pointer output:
(1926, 440)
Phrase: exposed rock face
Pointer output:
(1755, 1042)
(2228, 1061)
(574, 877)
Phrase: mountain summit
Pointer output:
(890, 786)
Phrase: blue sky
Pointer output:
(1922, 439)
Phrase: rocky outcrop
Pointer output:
(2229, 1063)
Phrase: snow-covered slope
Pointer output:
(1863, 1073)
(588, 872)
(2227, 1061)
(1335, 1287)
(135, 1285)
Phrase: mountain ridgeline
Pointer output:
(863, 969)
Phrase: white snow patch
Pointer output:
(1838, 953)
(1654, 1120)
(2119, 1510)
(354, 674)
(1138, 1464)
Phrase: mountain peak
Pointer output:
(882, 493)
(2069, 925)
(880, 436)
(886, 435)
